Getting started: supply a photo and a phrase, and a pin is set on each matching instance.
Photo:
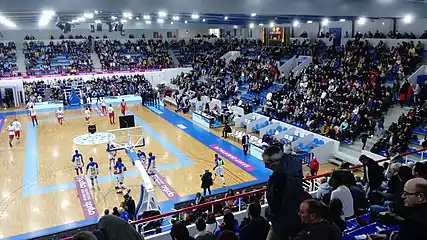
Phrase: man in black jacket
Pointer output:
(373, 174)
(255, 227)
(245, 143)
(129, 204)
(284, 193)
(207, 182)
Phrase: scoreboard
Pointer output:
(275, 36)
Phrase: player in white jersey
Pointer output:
(103, 106)
(33, 115)
(11, 131)
(60, 115)
(219, 169)
(87, 115)
(92, 168)
(111, 114)
(78, 162)
(111, 155)
(18, 127)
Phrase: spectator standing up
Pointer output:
(226, 130)
(256, 227)
(372, 174)
(207, 182)
(129, 204)
(202, 233)
(245, 143)
(342, 193)
(314, 166)
(229, 224)
(364, 137)
(180, 232)
(316, 226)
(284, 193)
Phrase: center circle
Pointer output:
(92, 139)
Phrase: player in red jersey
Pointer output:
(111, 114)
(123, 107)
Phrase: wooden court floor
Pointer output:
(44, 153)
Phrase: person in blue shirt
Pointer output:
(151, 164)
(142, 157)
(119, 170)
(92, 168)
(78, 162)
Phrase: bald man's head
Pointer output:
(415, 192)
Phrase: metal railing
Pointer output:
(308, 182)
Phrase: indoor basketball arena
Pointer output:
(223, 120)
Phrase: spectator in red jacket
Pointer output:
(314, 166)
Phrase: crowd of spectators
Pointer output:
(65, 56)
(392, 34)
(343, 94)
(8, 58)
(117, 55)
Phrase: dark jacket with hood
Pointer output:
(111, 227)
(284, 195)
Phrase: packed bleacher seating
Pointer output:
(380, 35)
(115, 55)
(343, 94)
(65, 56)
(89, 90)
(194, 51)
(7, 58)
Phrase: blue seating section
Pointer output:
(249, 96)
(262, 125)
(355, 231)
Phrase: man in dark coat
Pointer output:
(284, 193)
(373, 173)
(207, 182)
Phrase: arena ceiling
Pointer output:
(214, 11)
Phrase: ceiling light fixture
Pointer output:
(325, 22)
(408, 18)
(342, 20)
(113, 17)
(226, 18)
(203, 20)
(172, 23)
(88, 15)
(309, 21)
(148, 22)
(261, 24)
(123, 21)
(185, 21)
(160, 20)
(175, 18)
(361, 20)
(137, 18)
(272, 24)
(162, 14)
(46, 17)
(195, 16)
(253, 14)
(7, 22)
(96, 11)
(97, 21)
(146, 17)
(251, 25)
(295, 23)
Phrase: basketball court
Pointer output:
(38, 181)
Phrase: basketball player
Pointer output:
(103, 105)
(142, 157)
(151, 164)
(111, 114)
(111, 155)
(78, 162)
(219, 169)
(119, 170)
(123, 107)
(11, 131)
(92, 167)
(89, 103)
(33, 115)
(17, 125)
(87, 116)
(60, 115)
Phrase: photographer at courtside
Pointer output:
(284, 193)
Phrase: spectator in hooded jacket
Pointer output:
(256, 227)
(284, 193)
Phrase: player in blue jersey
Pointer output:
(142, 157)
(119, 170)
(92, 168)
(151, 164)
(78, 162)
(219, 169)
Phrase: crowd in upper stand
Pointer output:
(343, 94)
(65, 56)
(115, 55)
(392, 34)
(8, 57)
